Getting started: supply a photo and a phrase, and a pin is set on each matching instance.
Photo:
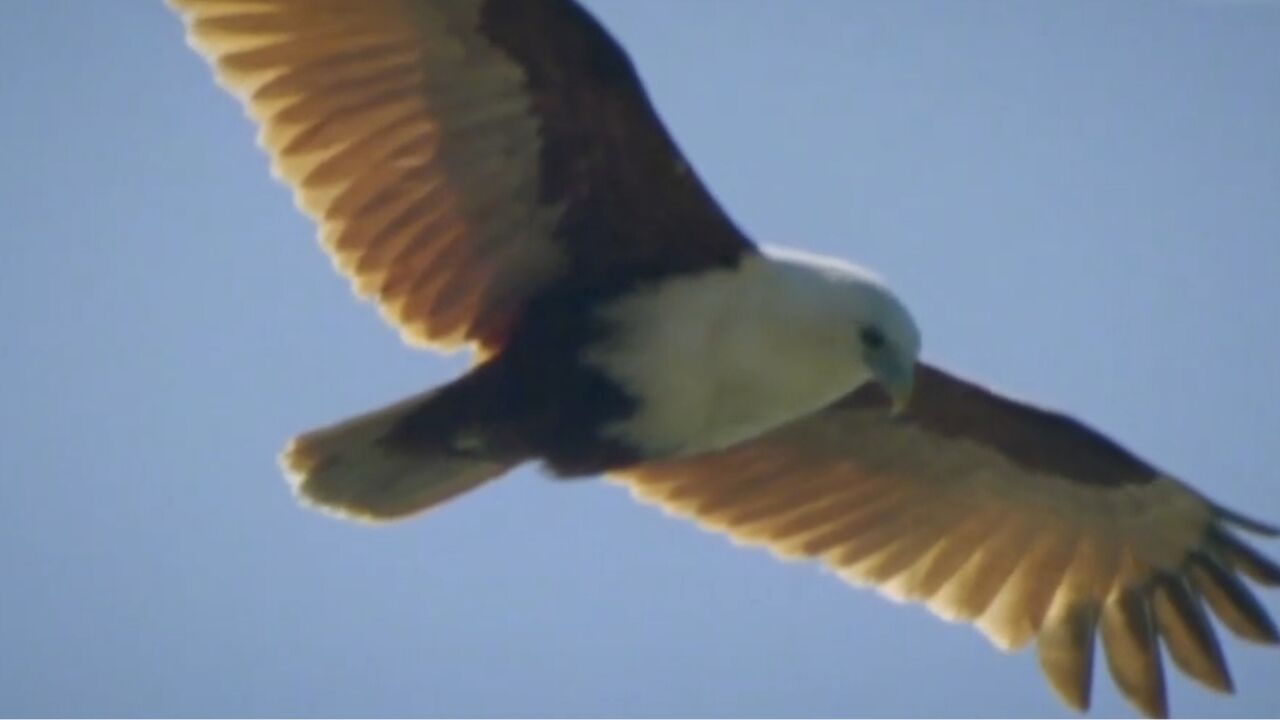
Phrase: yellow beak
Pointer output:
(900, 392)
(898, 379)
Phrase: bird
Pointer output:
(492, 175)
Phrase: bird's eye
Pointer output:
(872, 337)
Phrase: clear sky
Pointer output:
(1078, 200)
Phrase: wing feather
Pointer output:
(462, 156)
(1129, 644)
(1182, 623)
(1231, 601)
(1243, 558)
(1065, 650)
(1022, 522)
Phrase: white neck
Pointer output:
(718, 358)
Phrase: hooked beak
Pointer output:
(897, 376)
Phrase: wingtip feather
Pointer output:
(1129, 645)
(1243, 558)
(1232, 601)
(1064, 649)
(1245, 522)
(1187, 634)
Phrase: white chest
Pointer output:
(719, 358)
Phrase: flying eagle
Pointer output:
(492, 175)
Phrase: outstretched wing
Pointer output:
(461, 155)
(1023, 522)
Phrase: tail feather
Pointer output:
(347, 469)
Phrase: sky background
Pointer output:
(1077, 200)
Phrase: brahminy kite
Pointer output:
(492, 175)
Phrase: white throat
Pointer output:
(718, 358)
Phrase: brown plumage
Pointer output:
(491, 174)
(1023, 522)
(440, 148)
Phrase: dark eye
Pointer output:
(872, 337)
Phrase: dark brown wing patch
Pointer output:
(1038, 439)
(633, 206)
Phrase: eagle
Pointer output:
(493, 176)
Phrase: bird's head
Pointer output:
(863, 318)
(890, 346)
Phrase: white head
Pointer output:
(861, 318)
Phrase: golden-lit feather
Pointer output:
(409, 141)
(930, 509)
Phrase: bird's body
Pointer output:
(592, 381)
(491, 174)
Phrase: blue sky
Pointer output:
(1078, 201)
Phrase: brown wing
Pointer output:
(1020, 521)
(460, 155)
